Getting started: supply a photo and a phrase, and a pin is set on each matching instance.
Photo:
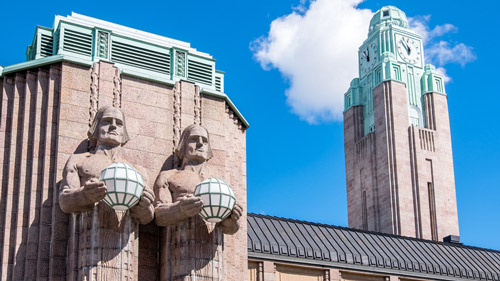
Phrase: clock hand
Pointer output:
(365, 54)
(405, 45)
(408, 45)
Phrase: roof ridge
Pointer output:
(372, 232)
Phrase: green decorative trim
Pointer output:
(219, 81)
(102, 44)
(180, 63)
(75, 39)
(431, 81)
(44, 61)
(388, 16)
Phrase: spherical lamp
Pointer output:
(125, 186)
(218, 199)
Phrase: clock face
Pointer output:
(368, 57)
(409, 50)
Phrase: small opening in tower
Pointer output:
(385, 13)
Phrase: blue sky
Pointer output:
(295, 154)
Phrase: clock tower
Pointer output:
(399, 165)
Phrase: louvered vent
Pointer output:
(199, 72)
(46, 45)
(77, 42)
(218, 83)
(140, 57)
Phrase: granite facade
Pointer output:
(45, 115)
(400, 178)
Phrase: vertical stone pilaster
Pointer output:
(260, 271)
(106, 83)
(269, 271)
(443, 170)
(50, 218)
(189, 107)
(350, 138)
(415, 180)
(392, 149)
(334, 274)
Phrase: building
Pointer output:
(79, 65)
(281, 249)
(399, 165)
(82, 64)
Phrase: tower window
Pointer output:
(364, 213)
(385, 13)
(432, 211)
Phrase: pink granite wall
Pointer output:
(395, 165)
(360, 172)
(45, 115)
(29, 220)
(443, 173)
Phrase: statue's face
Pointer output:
(111, 127)
(197, 145)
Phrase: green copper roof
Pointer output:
(392, 51)
(85, 40)
(386, 16)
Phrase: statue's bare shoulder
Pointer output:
(164, 177)
(76, 160)
(161, 186)
(74, 163)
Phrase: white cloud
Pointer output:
(437, 51)
(442, 53)
(420, 25)
(442, 71)
(315, 48)
(317, 51)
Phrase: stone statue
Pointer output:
(103, 242)
(191, 247)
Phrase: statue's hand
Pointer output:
(190, 205)
(236, 214)
(231, 224)
(147, 199)
(143, 211)
(94, 190)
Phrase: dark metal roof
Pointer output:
(287, 240)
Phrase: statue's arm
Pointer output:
(168, 212)
(143, 211)
(72, 197)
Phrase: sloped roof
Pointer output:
(287, 240)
